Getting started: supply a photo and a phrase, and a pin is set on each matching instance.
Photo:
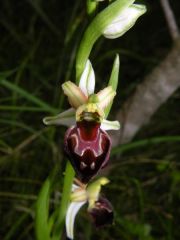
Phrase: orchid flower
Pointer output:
(86, 142)
(80, 96)
(99, 207)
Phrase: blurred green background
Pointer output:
(38, 43)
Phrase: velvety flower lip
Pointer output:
(88, 148)
(99, 208)
(102, 212)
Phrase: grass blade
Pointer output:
(145, 142)
(42, 213)
(22, 108)
(27, 95)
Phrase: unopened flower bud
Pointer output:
(124, 21)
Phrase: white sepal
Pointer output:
(124, 21)
(66, 118)
(110, 125)
(74, 187)
(87, 80)
(70, 217)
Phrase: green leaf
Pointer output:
(12, 231)
(145, 142)
(8, 73)
(21, 108)
(42, 213)
(68, 180)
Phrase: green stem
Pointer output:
(95, 30)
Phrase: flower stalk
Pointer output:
(86, 142)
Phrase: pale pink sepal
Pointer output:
(75, 95)
(105, 97)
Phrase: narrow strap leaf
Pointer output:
(42, 213)
(27, 95)
(68, 181)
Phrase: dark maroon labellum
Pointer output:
(102, 212)
(88, 148)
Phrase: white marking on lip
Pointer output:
(93, 165)
(83, 165)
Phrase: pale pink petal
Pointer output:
(105, 97)
(71, 213)
(87, 80)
